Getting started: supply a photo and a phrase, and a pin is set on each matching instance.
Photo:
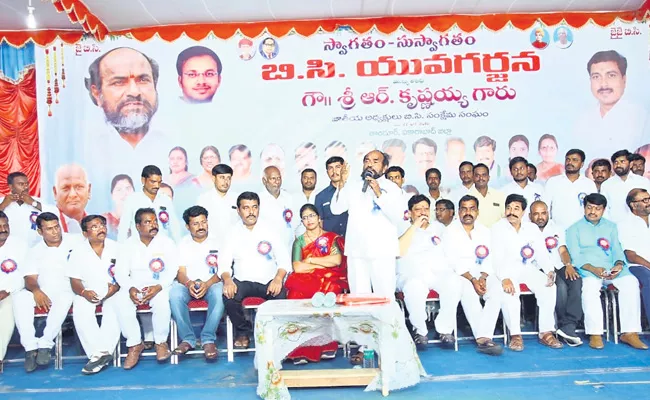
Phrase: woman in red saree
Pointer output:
(318, 266)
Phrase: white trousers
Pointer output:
(161, 318)
(416, 290)
(6, 325)
(482, 319)
(536, 281)
(629, 304)
(372, 275)
(23, 304)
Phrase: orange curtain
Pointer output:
(19, 131)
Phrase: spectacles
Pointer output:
(646, 200)
(206, 74)
(309, 216)
(95, 228)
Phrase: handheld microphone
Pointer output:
(366, 174)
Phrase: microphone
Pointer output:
(366, 174)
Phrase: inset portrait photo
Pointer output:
(269, 48)
(246, 49)
(563, 37)
(539, 38)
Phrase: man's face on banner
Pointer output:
(273, 156)
(396, 155)
(200, 79)
(268, 47)
(455, 154)
(305, 158)
(607, 82)
(71, 190)
(240, 161)
(485, 155)
(127, 93)
(425, 157)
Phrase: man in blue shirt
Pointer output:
(332, 223)
(597, 254)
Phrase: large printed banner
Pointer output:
(429, 100)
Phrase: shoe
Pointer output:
(133, 356)
(490, 348)
(162, 352)
(30, 361)
(549, 340)
(570, 338)
(96, 364)
(632, 339)
(596, 342)
(516, 343)
(43, 357)
(447, 339)
(183, 348)
(421, 342)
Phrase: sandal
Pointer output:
(210, 350)
(489, 347)
(357, 359)
(242, 342)
(516, 343)
(182, 348)
(551, 341)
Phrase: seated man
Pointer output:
(46, 287)
(445, 212)
(466, 245)
(261, 262)
(197, 279)
(568, 302)
(421, 267)
(595, 249)
(91, 269)
(519, 254)
(12, 256)
(146, 267)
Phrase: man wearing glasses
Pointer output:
(199, 74)
(445, 212)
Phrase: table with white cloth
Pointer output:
(283, 325)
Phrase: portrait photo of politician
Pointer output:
(454, 154)
(240, 162)
(272, 156)
(305, 156)
(539, 38)
(396, 150)
(208, 158)
(179, 176)
(518, 146)
(246, 49)
(121, 188)
(336, 149)
(548, 149)
(199, 74)
(71, 194)
(425, 151)
(563, 37)
(645, 152)
(484, 151)
(269, 48)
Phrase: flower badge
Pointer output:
(32, 219)
(157, 265)
(406, 215)
(581, 198)
(163, 217)
(322, 244)
(111, 272)
(481, 253)
(538, 197)
(287, 214)
(435, 240)
(264, 248)
(8, 266)
(526, 253)
(551, 243)
(211, 262)
(603, 244)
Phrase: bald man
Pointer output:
(71, 193)
(277, 210)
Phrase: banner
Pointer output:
(428, 100)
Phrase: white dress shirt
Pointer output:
(635, 236)
(460, 249)
(616, 189)
(51, 264)
(222, 212)
(457, 193)
(22, 220)
(139, 265)
(553, 230)
(373, 221)
(257, 253)
(532, 191)
(13, 256)
(201, 260)
(425, 255)
(565, 198)
(161, 203)
(280, 215)
(95, 272)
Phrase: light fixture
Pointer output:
(31, 20)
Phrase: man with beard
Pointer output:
(331, 222)
(308, 183)
(637, 164)
(199, 74)
(519, 255)
(376, 209)
(278, 211)
(71, 192)
(491, 200)
(596, 251)
(532, 172)
(146, 268)
(21, 208)
(565, 193)
(616, 188)
(220, 203)
(521, 185)
(601, 170)
(149, 197)
(466, 174)
(568, 304)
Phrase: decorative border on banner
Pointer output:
(21, 74)
(44, 38)
(80, 14)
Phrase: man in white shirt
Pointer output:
(601, 170)
(220, 203)
(616, 188)
(91, 269)
(467, 246)
(396, 175)
(254, 263)
(146, 267)
(568, 303)
(422, 267)
(12, 256)
(445, 211)
(466, 174)
(433, 177)
(149, 198)
(197, 278)
(278, 212)
(21, 209)
(376, 210)
(521, 185)
(307, 194)
(565, 194)
(46, 287)
(519, 254)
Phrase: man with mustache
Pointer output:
(597, 253)
(332, 222)
(491, 200)
(376, 210)
(616, 188)
(568, 304)
(519, 255)
(46, 287)
(72, 193)
(91, 269)
(601, 170)
(149, 197)
(146, 268)
(21, 208)
(197, 278)
(278, 212)
(12, 256)
(466, 175)
(637, 164)
(199, 74)
(520, 184)
(220, 203)
(254, 263)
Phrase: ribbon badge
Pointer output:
(581, 198)
(8, 266)
(375, 207)
(551, 243)
(32, 219)
(526, 253)
(264, 248)
(436, 241)
(538, 197)
(287, 214)
(603, 244)
(322, 243)
(406, 215)
(481, 253)
(111, 273)
(211, 262)
(156, 266)
(163, 216)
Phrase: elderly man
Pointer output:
(278, 212)
(568, 303)
(71, 192)
(519, 255)
(596, 251)
(616, 188)
(491, 200)
(21, 208)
